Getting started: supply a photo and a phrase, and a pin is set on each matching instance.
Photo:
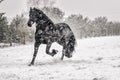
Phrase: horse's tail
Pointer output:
(70, 46)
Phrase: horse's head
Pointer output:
(34, 15)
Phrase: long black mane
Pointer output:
(47, 32)
(44, 16)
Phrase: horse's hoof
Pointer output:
(30, 64)
(54, 51)
(52, 55)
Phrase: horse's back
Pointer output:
(62, 25)
(64, 29)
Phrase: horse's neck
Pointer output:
(44, 25)
(47, 19)
(45, 22)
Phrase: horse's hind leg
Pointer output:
(36, 46)
(62, 55)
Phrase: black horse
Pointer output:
(47, 32)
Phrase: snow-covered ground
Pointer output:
(94, 59)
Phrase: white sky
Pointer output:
(90, 8)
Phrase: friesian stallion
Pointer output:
(47, 32)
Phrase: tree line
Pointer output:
(17, 30)
(100, 26)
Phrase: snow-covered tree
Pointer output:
(40, 3)
(3, 28)
(78, 24)
(99, 25)
(19, 29)
(54, 13)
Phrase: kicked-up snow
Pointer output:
(94, 59)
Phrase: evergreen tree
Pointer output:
(3, 28)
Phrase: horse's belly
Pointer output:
(41, 39)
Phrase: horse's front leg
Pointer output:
(48, 50)
(36, 46)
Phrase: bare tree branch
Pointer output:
(40, 3)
